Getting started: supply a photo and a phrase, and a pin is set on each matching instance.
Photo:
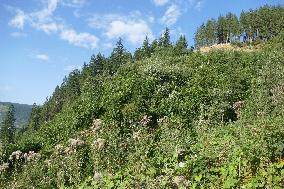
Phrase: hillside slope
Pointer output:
(193, 120)
(22, 113)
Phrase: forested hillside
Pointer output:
(22, 113)
(166, 116)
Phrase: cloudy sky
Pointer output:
(41, 41)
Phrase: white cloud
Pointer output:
(196, 4)
(108, 45)
(79, 39)
(160, 2)
(74, 3)
(45, 15)
(18, 34)
(199, 5)
(44, 20)
(43, 57)
(171, 15)
(19, 20)
(51, 27)
(134, 31)
(132, 26)
(70, 68)
(103, 21)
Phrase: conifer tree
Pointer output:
(8, 129)
(143, 52)
(146, 48)
(35, 118)
(222, 29)
(154, 45)
(97, 64)
(118, 57)
(181, 46)
(200, 36)
(210, 32)
(165, 40)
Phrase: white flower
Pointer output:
(75, 142)
(99, 143)
(181, 164)
(96, 124)
(4, 166)
(97, 176)
(17, 155)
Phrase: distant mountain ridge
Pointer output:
(22, 112)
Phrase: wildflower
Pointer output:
(25, 156)
(48, 162)
(58, 147)
(97, 176)
(4, 167)
(181, 164)
(96, 125)
(99, 143)
(75, 142)
(136, 135)
(180, 152)
(180, 181)
(146, 120)
(163, 119)
(33, 156)
(15, 155)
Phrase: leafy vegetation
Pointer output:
(252, 26)
(167, 117)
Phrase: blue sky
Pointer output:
(41, 41)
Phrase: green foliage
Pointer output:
(255, 26)
(165, 40)
(171, 119)
(118, 57)
(8, 129)
(145, 51)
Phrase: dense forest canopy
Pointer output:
(165, 116)
(260, 24)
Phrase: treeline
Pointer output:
(102, 66)
(262, 23)
(208, 119)
(259, 24)
(174, 120)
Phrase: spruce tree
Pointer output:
(200, 36)
(143, 52)
(118, 57)
(146, 48)
(181, 46)
(35, 118)
(165, 40)
(8, 129)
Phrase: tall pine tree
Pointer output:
(118, 57)
(8, 129)
(165, 39)
(35, 118)
(181, 46)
